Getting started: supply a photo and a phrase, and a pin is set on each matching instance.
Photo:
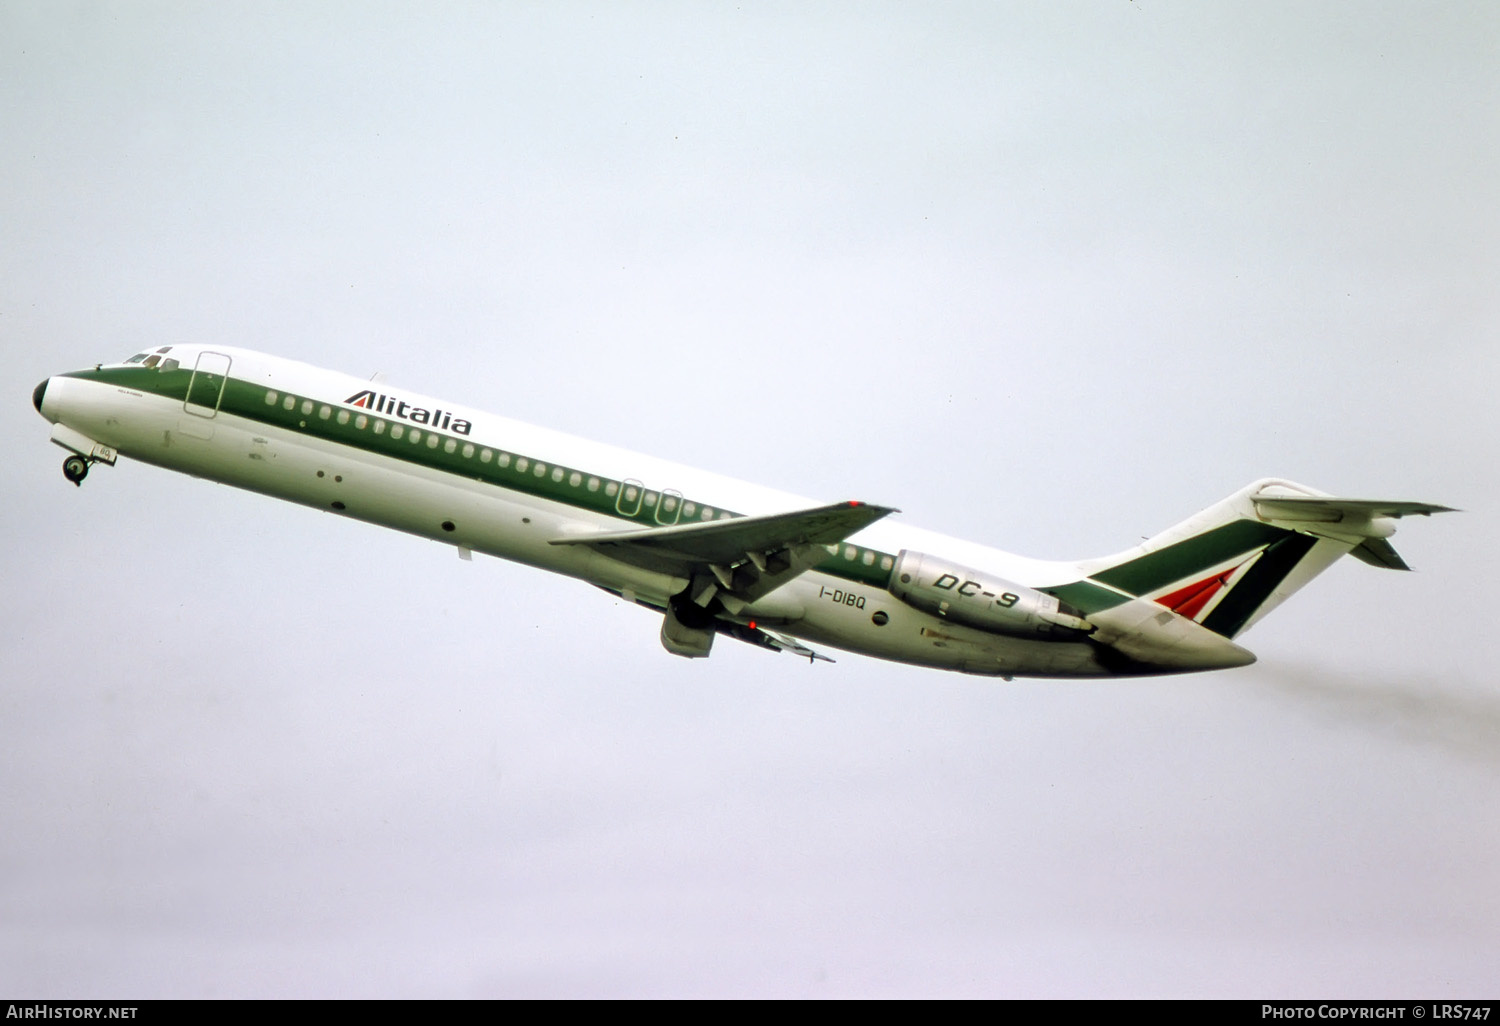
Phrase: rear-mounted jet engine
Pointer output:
(980, 600)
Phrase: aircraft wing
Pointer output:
(739, 559)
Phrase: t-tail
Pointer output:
(1177, 601)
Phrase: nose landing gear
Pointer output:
(75, 469)
(83, 452)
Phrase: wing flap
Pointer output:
(763, 638)
(731, 563)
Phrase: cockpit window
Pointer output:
(151, 359)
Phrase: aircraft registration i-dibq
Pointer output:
(710, 554)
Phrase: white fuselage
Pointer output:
(431, 492)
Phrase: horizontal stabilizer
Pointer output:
(1329, 509)
(1364, 524)
(1379, 552)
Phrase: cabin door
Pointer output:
(206, 388)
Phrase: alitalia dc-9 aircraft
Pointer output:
(709, 554)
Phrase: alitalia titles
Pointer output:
(440, 420)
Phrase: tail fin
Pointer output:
(1233, 563)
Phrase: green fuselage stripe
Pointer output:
(246, 400)
(1087, 597)
(1194, 555)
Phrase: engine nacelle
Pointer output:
(980, 600)
(693, 639)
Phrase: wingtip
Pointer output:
(873, 507)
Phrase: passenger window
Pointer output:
(361, 421)
(343, 417)
(270, 398)
(289, 402)
(397, 430)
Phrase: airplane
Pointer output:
(712, 555)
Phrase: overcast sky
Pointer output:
(1045, 276)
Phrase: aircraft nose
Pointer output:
(37, 394)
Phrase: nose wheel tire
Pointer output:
(75, 469)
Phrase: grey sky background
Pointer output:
(1049, 277)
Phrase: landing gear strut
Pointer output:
(75, 469)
